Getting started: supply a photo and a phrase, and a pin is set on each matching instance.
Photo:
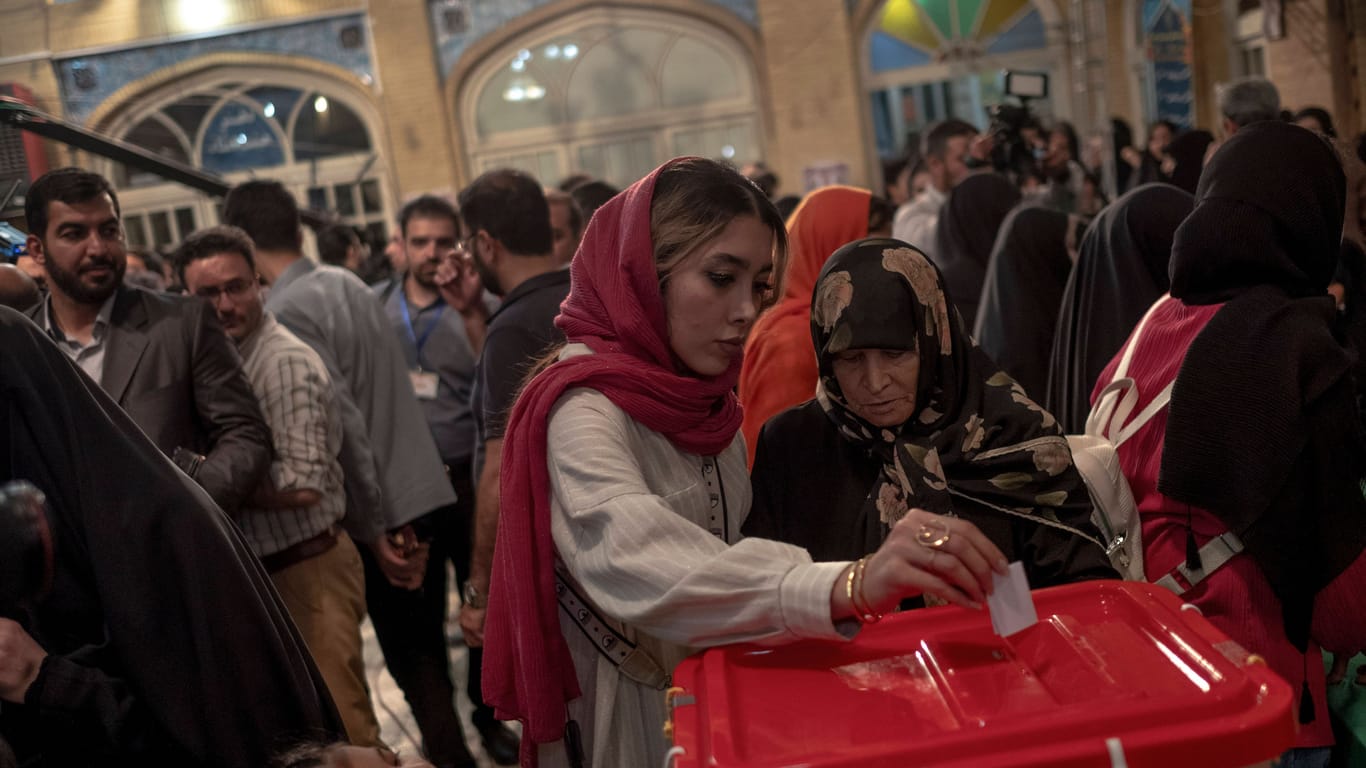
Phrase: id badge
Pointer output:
(424, 384)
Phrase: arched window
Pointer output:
(311, 138)
(612, 95)
(929, 60)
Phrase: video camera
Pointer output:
(1012, 153)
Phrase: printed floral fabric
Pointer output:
(975, 430)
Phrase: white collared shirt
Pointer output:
(90, 357)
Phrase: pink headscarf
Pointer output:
(614, 307)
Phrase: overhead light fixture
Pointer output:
(524, 89)
(728, 151)
(518, 65)
(552, 51)
(241, 138)
(202, 15)
(320, 104)
(570, 51)
(269, 109)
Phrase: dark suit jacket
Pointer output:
(170, 366)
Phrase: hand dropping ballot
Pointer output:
(1010, 603)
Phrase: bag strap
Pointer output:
(1214, 555)
(629, 659)
(1119, 398)
(1123, 369)
(1041, 520)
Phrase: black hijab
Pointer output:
(1263, 428)
(1121, 270)
(1029, 267)
(974, 431)
(153, 586)
(1187, 151)
(964, 236)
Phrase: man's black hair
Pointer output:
(211, 242)
(267, 212)
(334, 242)
(936, 141)
(510, 206)
(67, 185)
(427, 207)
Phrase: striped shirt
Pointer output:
(297, 400)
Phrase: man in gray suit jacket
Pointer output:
(163, 359)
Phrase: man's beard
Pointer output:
(487, 277)
(70, 283)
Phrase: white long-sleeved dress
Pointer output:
(632, 519)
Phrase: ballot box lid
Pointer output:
(1114, 674)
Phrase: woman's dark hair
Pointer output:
(787, 204)
(880, 214)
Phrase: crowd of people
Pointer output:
(639, 423)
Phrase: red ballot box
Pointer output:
(1115, 674)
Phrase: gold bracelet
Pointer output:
(849, 584)
(866, 613)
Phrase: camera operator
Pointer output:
(951, 151)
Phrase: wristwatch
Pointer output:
(473, 598)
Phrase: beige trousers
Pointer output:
(325, 596)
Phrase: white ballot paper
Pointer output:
(1011, 605)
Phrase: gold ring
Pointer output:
(932, 537)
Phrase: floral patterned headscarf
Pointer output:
(975, 436)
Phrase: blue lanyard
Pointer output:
(419, 341)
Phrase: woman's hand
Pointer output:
(1131, 156)
(925, 552)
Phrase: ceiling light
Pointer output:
(270, 109)
(518, 65)
(320, 104)
(514, 93)
(570, 51)
(728, 151)
(552, 51)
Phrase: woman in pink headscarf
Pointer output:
(624, 486)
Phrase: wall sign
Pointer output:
(1167, 34)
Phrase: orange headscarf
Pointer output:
(780, 362)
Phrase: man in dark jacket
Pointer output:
(163, 359)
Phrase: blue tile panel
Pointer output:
(86, 81)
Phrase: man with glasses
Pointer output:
(390, 461)
(292, 520)
(163, 359)
(440, 355)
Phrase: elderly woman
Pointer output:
(911, 415)
(779, 370)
